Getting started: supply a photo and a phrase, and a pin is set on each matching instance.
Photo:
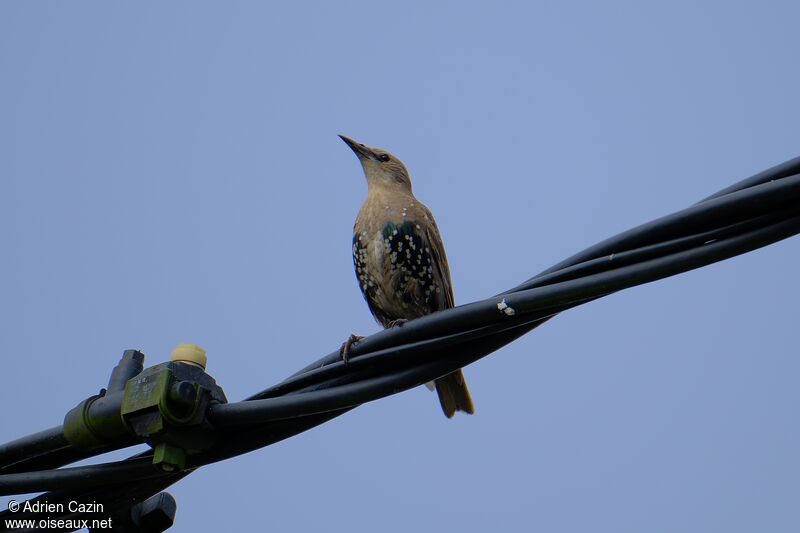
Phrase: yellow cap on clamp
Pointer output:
(190, 353)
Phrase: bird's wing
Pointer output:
(441, 269)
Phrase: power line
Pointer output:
(753, 213)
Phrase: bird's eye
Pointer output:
(383, 157)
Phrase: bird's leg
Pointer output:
(397, 322)
(344, 351)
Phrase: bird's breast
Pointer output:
(395, 270)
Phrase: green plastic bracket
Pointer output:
(169, 457)
(165, 405)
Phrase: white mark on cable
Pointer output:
(503, 307)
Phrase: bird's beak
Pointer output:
(360, 150)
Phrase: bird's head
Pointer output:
(380, 167)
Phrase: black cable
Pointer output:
(32, 445)
(51, 443)
(453, 351)
(527, 302)
(76, 477)
(779, 171)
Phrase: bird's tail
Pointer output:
(454, 394)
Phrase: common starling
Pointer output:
(399, 259)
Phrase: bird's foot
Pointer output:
(397, 322)
(344, 351)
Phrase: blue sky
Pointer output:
(170, 172)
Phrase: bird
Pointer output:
(399, 259)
